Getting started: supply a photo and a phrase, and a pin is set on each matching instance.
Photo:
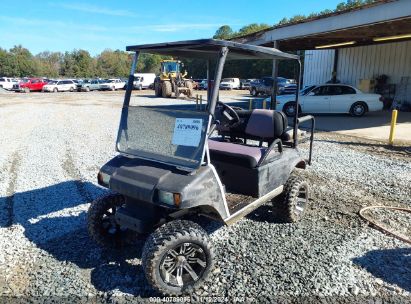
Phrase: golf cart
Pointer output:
(177, 164)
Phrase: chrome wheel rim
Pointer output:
(358, 109)
(301, 201)
(183, 265)
(290, 110)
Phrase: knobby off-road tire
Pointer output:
(189, 85)
(157, 89)
(177, 257)
(102, 226)
(291, 205)
(166, 89)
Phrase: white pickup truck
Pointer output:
(112, 84)
(7, 83)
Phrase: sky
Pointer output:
(97, 25)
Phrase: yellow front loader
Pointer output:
(172, 80)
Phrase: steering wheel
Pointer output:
(228, 116)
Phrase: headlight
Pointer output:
(169, 198)
(103, 178)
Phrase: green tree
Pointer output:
(252, 28)
(7, 64)
(224, 32)
(22, 62)
(114, 63)
(49, 63)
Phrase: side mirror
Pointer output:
(311, 94)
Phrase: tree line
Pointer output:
(20, 62)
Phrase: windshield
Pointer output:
(169, 67)
(307, 90)
(227, 80)
(52, 82)
(164, 134)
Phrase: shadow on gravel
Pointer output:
(391, 265)
(54, 219)
(366, 145)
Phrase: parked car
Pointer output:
(229, 83)
(143, 80)
(202, 85)
(112, 84)
(29, 85)
(60, 86)
(265, 86)
(7, 83)
(331, 98)
(245, 84)
(286, 86)
(88, 85)
(196, 83)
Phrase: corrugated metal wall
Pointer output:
(318, 66)
(365, 62)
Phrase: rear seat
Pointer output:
(266, 125)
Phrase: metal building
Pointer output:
(355, 46)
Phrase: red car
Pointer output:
(30, 85)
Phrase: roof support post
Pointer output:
(297, 105)
(274, 74)
(208, 81)
(130, 82)
(335, 65)
(217, 79)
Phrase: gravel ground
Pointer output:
(52, 146)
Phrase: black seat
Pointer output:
(263, 125)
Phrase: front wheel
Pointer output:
(102, 225)
(289, 109)
(177, 257)
(55, 90)
(254, 92)
(358, 109)
(71, 89)
(26, 90)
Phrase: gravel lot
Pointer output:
(52, 146)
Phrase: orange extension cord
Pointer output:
(381, 227)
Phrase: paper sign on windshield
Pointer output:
(187, 132)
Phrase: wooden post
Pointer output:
(196, 101)
(264, 104)
(201, 102)
(250, 104)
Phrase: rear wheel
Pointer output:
(166, 89)
(291, 205)
(87, 89)
(102, 225)
(177, 257)
(358, 109)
